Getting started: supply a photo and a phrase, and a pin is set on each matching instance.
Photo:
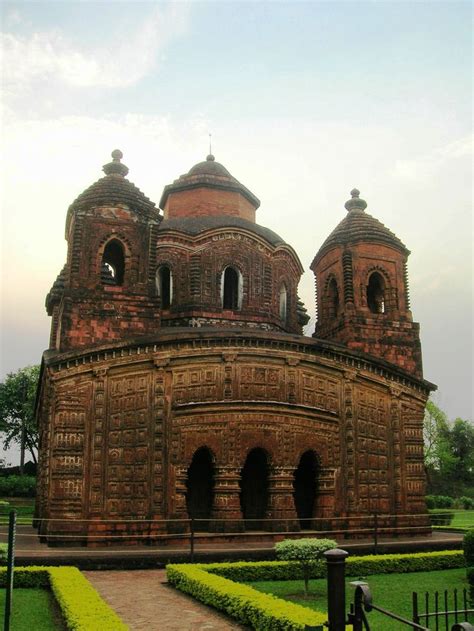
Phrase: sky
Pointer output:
(304, 100)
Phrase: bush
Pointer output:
(3, 552)
(468, 547)
(439, 501)
(305, 551)
(213, 584)
(466, 502)
(470, 575)
(355, 566)
(82, 607)
(18, 486)
(245, 604)
(441, 519)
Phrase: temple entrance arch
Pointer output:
(200, 488)
(305, 486)
(254, 489)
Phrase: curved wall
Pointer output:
(120, 425)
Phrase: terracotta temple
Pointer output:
(178, 382)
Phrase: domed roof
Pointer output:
(196, 225)
(114, 188)
(211, 174)
(358, 226)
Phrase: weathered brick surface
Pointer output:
(132, 391)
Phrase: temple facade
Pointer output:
(178, 383)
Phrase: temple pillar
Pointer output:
(281, 505)
(226, 510)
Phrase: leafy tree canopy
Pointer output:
(449, 453)
(17, 401)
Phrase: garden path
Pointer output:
(144, 600)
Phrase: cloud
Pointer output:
(50, 56)
(427, 166)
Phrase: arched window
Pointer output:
(231, 288)
(283, 302)
(113, 263)
(333, 298)
(164, 286)
(376, 293)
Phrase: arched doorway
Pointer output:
(200, 488)
(254, 489)
(305, 488)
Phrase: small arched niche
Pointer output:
(200, 488)
(231, 288)
(283, 305)
(376, 301)
(113, 263)
(164, 285)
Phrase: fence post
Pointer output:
(415, 615)
(336, 562)
(10, 566)
(192, 540)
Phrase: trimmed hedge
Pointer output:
(468, 547)
(81, 606)
(243, 603)
(218, 584)
(247, 571)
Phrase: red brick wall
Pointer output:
(208, 202)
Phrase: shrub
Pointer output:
(3, 552)
(245, 604)
(430, 501)
(355, 566)
(305, 551)
(466, 502)
(82, 607)
(470, 575)
(439, 501)
(468, 547)
(213, 584)
(4, 506)
(18, 486)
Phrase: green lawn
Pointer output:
(461, 519)
(390, 591)
(33, 609)
(24, 507)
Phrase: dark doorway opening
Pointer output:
(231, 289)
(254, 489)
(305, 488)
(200, 488)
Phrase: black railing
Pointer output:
(432, 603)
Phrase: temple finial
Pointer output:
(210, 157)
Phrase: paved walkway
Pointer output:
(143, 600)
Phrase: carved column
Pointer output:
(281, 505)
(226, 505)
(97, 432)
(157, 462)
(325, 496)
(349, 440)
(178, 502)
(397, 501)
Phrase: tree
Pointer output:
(306, 551)
(449, 452)
(17, 413)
